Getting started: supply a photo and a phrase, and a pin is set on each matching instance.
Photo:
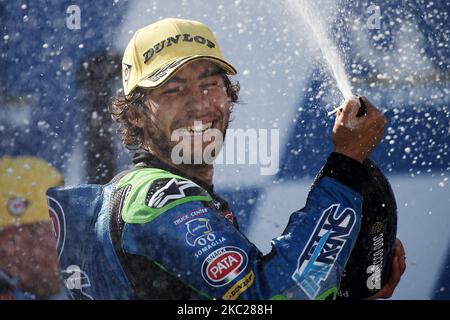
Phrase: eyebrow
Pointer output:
(176, 80)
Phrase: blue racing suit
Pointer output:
(153, 233)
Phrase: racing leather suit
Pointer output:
(153, 233)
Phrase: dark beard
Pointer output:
(163, 145)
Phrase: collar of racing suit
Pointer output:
(143, 157)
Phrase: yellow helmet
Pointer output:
(23, 183)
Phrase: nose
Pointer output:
(197, 100)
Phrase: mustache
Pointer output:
(189, 121)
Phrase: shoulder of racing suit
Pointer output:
(150, 192)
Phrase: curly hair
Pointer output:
(123, 108)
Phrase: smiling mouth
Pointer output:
(199, 127)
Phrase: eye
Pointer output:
(210, 84)
(172, 91)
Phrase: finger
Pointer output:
(366, 102)
(400, 252)
(349, 108)
(380, 294)
(375, 120)
(384, 293)
(398, 267)
(373, 126)
(396, 272)
(398, 264)
(388, 288)
(381, 119)
(402, 262)
(379, 133)
(371, 110)
(374, 134)
(399, 246)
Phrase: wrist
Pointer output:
(360, 157)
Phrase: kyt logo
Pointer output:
(323, 249)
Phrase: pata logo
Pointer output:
(224, 265)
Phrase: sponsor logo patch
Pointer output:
(222, 206)
(210, 246)
(17, 206)
(239, 287)
(199, 232)
(126, 71)
(229, 216)
(164, 191)
(58, 219)
(223, 265)
(200, 235)
(184, 218)
(323, 248)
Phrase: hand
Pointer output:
(356, 137)
(398, 268)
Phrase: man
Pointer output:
(28, 264)
(158, 231)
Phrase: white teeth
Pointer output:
(199, 128)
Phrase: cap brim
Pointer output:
(147, 82)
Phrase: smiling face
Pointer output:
(194, 101)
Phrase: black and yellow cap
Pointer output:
(157, 51)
